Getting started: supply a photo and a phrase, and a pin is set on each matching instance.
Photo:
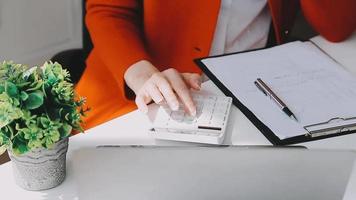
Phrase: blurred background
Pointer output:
(32, 31)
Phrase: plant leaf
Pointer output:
(11, 89)
(33, 144)
(23, 96)
(2, 89)
(20, 149)
(36, 85)
(65, 130)
(45, 122)
(34, 100)
(16, 102)
(2, 149)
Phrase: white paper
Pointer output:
(312, 85)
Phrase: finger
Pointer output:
(141, 101)
(182, 91)
(155, 94)
(193, 80)
(167, 92)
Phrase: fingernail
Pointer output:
(198, 84)
(193, 112)
(175, 106)
(160, 102)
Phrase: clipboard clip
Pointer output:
(337, 125)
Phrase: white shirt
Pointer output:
(241, 25)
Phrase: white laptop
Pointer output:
(162, 173)
(350, 193)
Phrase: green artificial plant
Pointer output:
(38, 106)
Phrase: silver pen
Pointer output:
(268, 92)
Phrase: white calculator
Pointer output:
(208, 126)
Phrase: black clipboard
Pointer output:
(267, 132)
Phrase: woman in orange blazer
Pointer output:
(134, 41)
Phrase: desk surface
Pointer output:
(124, 131)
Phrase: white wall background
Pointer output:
(32, 31)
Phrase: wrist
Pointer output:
(137, 74)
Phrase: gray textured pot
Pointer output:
(42, 168)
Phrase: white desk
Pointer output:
(131, 129)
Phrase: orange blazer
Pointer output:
(171, 34)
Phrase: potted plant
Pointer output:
(38, 111)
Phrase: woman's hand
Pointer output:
(168, 86)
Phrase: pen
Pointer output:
(268, 92)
